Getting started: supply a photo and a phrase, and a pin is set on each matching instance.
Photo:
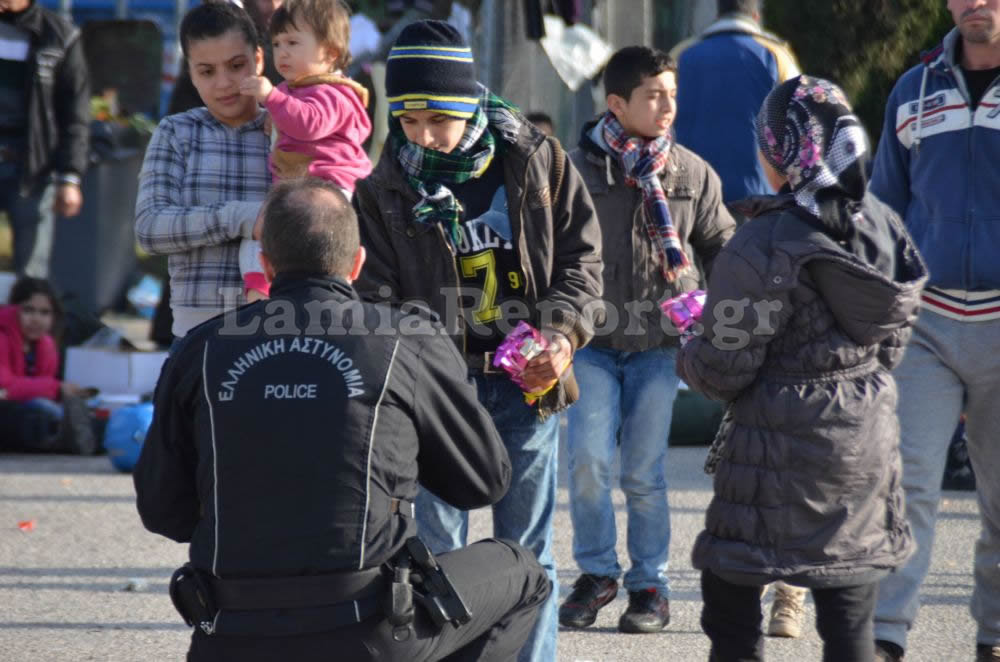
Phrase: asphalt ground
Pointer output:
(89, 583)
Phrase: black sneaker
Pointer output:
(987, 653)
(648, 611)
(887, 651)
(590, 593)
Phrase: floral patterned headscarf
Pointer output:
(808, 132)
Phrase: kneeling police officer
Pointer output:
(287, 443)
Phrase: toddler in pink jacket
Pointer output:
(318, 113)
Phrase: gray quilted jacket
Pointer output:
(805, 318)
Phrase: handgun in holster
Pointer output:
(192, 598)
(433, 590)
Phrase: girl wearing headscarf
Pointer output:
(809, 307)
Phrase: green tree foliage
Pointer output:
(863, 45)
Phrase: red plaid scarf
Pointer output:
(643, 160)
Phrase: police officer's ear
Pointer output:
(359, 261)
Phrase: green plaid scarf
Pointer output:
(429, 171)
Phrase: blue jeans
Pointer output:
(626, 399)
(949, 367)
(30, 426)
(50, 409)
(525, 513)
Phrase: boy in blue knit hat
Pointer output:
(473, 212)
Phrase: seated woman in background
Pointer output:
(33, 401)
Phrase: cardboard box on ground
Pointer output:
(120, 377)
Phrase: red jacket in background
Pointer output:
(19, 386)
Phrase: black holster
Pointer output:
(431, 589)
(193, 599)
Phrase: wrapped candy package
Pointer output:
(684, 310)
(521, 345)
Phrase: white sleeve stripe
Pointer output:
(371, 443)
(215, 458)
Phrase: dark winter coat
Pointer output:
(287, 452)
(634, 284)
(554, 228)
(805, 318)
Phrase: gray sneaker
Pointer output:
(786, 611)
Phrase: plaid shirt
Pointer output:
(200, 189)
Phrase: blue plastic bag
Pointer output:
(146, 295)
(125, 434)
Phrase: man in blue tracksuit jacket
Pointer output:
(937, 167)
(723, 76)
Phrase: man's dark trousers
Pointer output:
(32, 222)
(503, 587)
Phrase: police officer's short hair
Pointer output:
(749, 7)
(310, 227)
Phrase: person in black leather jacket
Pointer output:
(44, 127)
(287, 444)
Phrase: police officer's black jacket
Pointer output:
(283, 430)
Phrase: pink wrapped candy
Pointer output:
(684, 309)
(521, 345)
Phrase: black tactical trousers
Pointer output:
(502, 585)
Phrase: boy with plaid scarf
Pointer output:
(659, 205)
(474, 213)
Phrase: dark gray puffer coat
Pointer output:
(805, 317)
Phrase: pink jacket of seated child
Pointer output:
(322, 123)
(19, 386)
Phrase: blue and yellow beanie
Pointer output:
(430, 67)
